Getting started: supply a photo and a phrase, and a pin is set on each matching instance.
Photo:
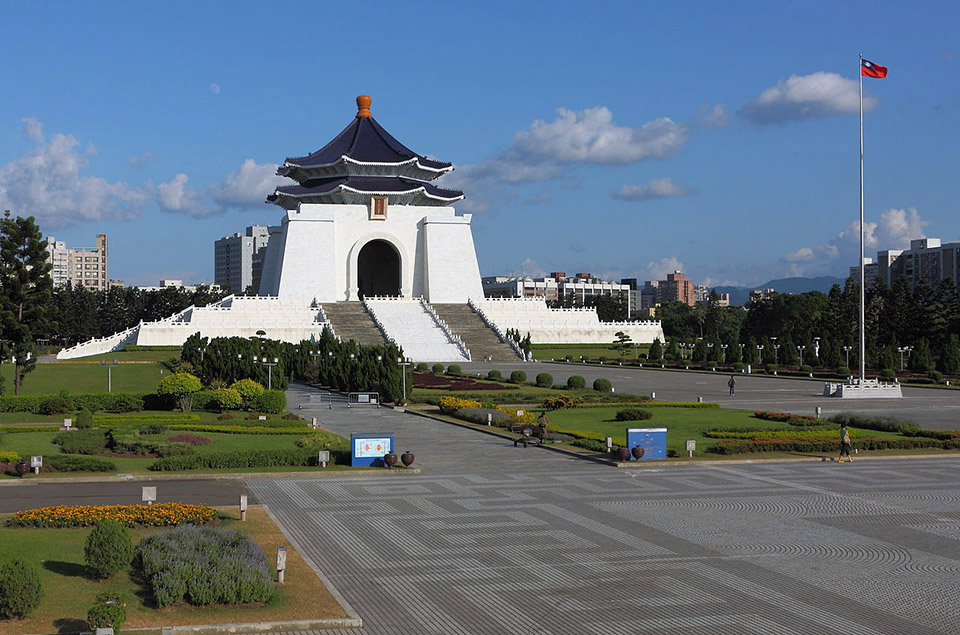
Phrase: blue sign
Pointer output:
(367, 450)
(653, 442)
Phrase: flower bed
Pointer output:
(435, 382)
(160, 515)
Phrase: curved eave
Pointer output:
(346, 166)
(343, 194)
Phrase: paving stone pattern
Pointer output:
(500, 539)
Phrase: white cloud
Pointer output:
(247, 186)
(176, 196)
(895, 230)
(716, 116)
(215, 89)
(800, 97)
(91, 149)
(140, 161)
(47, 183)
(32, 129)
(549, 150)
(659, 270)
(530, 267)
(655, 188)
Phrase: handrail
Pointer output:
(442, 325)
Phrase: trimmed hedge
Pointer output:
(745, 446)
(479, 416)
(576, 382)
(544, 380)
(518, 377)
(241, 459)
(167, 417)
(92, 441)
(881, 424)
(239, 429)
(73, 463)
(494, 374)
(633, 414)
(115, 402)
(602, 385)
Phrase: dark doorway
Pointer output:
(378, 269)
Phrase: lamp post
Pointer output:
(800, 348)
(759, 353)
(846, 349)
(709, 350)
(816, 347)
(902, 350)
(269, 365)
(741, 351)
(724, 347)
(403, 367)
(109, 366)
(776, 353)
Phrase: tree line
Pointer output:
(916, 328)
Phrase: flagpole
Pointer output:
(863, 293)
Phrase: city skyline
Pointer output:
(720, 141)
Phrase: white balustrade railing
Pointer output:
(496, 329)
(442, 325)
(376, 319)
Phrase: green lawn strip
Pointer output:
(128, 356)
(57, 555)
(50, 379)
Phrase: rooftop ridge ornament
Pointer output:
(363, 106)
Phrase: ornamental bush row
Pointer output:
(73, 463)
(57, 404)
(239, 429)
(204, 566)
(742, 446)
(239, 459)
(882, 424)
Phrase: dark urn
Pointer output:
(22, 468)
(390, 458)
(407, 458)
(623, 454)
(637, 452)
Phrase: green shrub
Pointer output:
(633, 414)
(518, 377)
(888, 373)
(738, 366)
(806, 368)
(494, 374)
(422, 367)
(108, 548)
(226, 399)
(53, 406)
(126, 403)
(770, 369)
(92, 441)
(437, 369)
(454, 369)
(224, 416)
(576, 382)
(181, 387)
(590, 444)
(234, 569)
(479, 416)
(72, 463)
(272, 427)
(544, 380)
(271, 401)
(602, 385)
(882, 424)
(85, 419)
(843, 371)
(935, 375)
(20, 589)
(108, 611)
(154, 428)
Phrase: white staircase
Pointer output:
(415, 327)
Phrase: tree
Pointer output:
(25, 291)
(181, 386)
(921, 360)
(622, 344)
(950, 357)
(108, 548)
(656, 349)
(20, 589)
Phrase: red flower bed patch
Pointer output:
(442, 382)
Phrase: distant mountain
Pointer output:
(740, 295)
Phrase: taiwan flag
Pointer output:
(869, 69)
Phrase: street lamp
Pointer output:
(724, 347)
(759, 353)
(800, 348)
(741, 351)
(404, 363)
(269, 365)
(776, 351)
(846, 349)
(109, 366)
(816, 348)
(902, 350)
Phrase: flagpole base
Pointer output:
(867, 389)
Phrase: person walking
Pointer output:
(844, 444)
(732, 383)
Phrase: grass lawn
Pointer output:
(58, 555)
(41, 443)
(682, 424)
(587, 351)
(52, 377)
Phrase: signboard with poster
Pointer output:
(367, 450)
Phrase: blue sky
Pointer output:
(624, 139)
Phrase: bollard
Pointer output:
(243, 506)
(699, 399)
(281, 563)
(818, 411)
(489, 419)
(653, 395)
(313, 422)
(609, 444)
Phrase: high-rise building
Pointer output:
(238, 259)
(80, 266)
(556, 286)
(676, 288)
(927, 259)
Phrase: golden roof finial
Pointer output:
(363, 106)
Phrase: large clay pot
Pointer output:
(22, 468)
(637, 452)
(390, 458)
(623, 454)
(407, 458)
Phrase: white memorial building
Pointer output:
(371, 249)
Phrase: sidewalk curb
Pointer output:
(124, 478)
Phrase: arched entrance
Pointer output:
(378, 269)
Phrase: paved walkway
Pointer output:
(495, 539)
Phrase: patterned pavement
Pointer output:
(495, 539)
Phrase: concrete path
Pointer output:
(495, 539)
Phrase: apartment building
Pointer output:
(557, 285)
(80, 266)
(238, 259)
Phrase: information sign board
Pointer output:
(368, 449)
(652, 440)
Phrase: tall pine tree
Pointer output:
(25, 291)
